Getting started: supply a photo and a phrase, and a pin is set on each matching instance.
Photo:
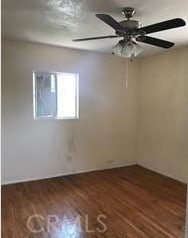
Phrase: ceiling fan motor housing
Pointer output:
(130, 24)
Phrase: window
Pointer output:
(55, 95)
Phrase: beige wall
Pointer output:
(147, 124)
(163, 113)
(104, 136)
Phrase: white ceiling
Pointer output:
(57, 22)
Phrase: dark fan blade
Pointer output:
(110, 21)
(95, 38)
(165, 25)
(155, 41)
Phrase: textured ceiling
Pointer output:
(57, 22)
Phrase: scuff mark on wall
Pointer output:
(71, 141)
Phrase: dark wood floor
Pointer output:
(131, 201)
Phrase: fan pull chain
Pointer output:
(127, 75)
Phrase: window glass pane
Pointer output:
(66, 95)
(45, 98)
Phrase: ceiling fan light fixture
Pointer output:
(127, 49)
(131, 49)
(116, 49)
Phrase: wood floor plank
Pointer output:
(132, 202)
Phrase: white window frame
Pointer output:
(55, 117)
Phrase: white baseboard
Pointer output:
(64, 174)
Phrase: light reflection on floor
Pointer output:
(69, 229)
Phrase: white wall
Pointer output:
(163, 113)
(104, 136)
(146, 124)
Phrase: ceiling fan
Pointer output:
(130, 31)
